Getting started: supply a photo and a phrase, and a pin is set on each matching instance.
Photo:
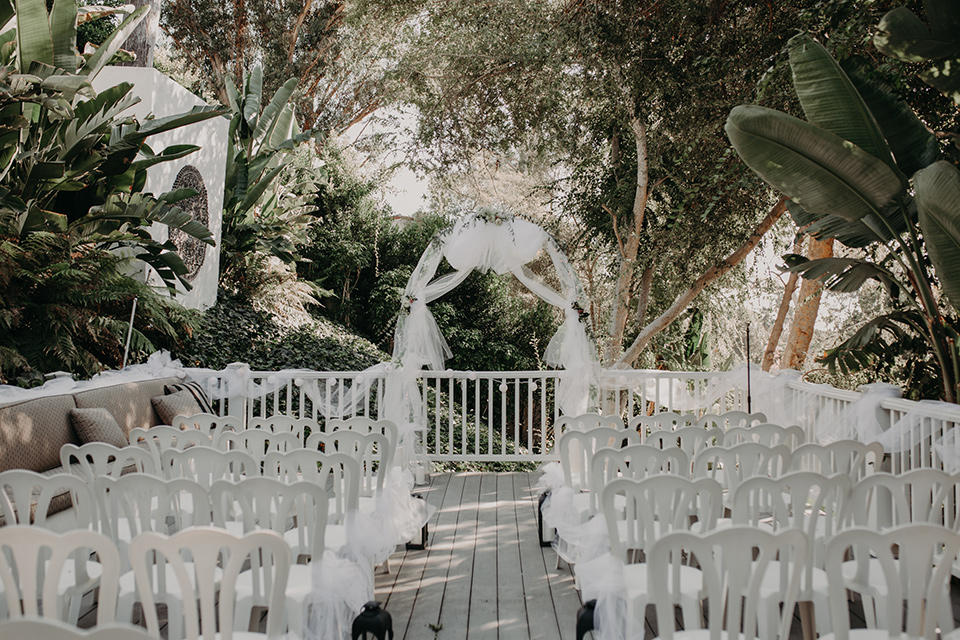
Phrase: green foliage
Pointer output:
(66, 309)
(233, 331)
(854, 188)
(262, 213)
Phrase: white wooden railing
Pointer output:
(508, 416)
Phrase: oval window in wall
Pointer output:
(191, 250)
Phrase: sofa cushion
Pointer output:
(128, 402)
(32, 432)
(97, 425)
(181, 403)
(196, 390)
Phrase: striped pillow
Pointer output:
(203, 400)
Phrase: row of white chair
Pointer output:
(638, 513)
(211, 569)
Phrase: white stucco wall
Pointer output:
(163, 97)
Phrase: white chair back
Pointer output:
(690, 439)
(856, 459)
(638, 512)
(26, 498)
(576, 449)
(205, 465)
(730, 419)
(196, 557)
(268, 503)
(96, 459)
(338, 473)
(732, 465)
(258, 442)
(666, 420)
(285, 424)
(33, 562)
(883, 500)
(913, 564)
(208, 423)
(159, 438)
(768, 434)
(735, 563)
(371, 450)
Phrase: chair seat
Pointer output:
(128, 584)
(875, 634)
(635, 579)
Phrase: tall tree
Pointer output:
(630, 98)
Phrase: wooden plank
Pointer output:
(425, 613)
(402, 595)
(563, 593)
(511, 608)
(541, 615)
(483, 600)
(455, 608)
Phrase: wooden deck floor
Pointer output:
(483, 574)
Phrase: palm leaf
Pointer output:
(938, 199)
(831, 101)
(820, 171)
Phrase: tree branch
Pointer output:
(714, 272)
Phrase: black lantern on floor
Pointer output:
(585, 619)
(373, 620)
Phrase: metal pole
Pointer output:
(749, 400)
(126, 347)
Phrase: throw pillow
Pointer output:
(196, 390)
(97, 425)
(181, 403)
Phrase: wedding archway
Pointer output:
(488, 239)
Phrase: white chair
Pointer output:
(735, 562)
(585, 422)
(258, 442)
(36, 567)
(637, 514)
(370, 450)
(208, 423)
(159, 438)
(339, 473)
(690, 439)
(137, 504)
(205, 465)
(49, 629)
(808, 502)
(206, 563)
(895, 567)
(95, 459)
(883, 501)
(856, 459)
(730, 419)
(667, 420)
(267, 503)
(767, 434)
(732, 465)
(26, 498)
(285, 424)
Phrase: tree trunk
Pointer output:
(777, 329)
(683, 300)
(629, 247)
(143, 40)
(805, 317)
(643, 300)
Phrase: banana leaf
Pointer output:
(831, 101)
(268, 118)
(904, 36)
(868, 343)
(252, 96)
(938, 199)
(861, 233)
(63, 33)
(913, 145)
(843, 275)
(818, 170)
(111, 45)
(34, 41)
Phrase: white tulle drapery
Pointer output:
(486, 240)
